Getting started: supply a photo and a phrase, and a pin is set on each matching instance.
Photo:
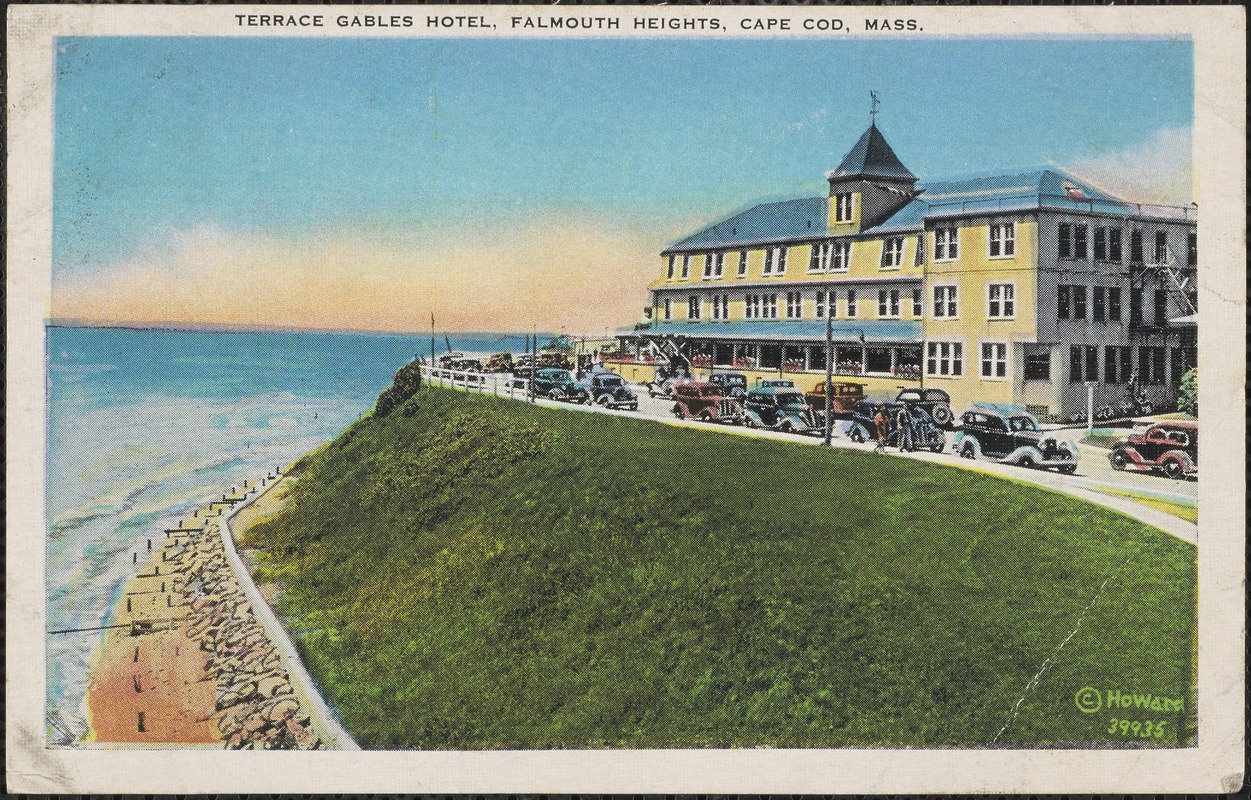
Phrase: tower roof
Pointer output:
(872, 158)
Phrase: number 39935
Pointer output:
(1143, 730)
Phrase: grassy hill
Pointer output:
(474, 572)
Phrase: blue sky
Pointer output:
(160, 138)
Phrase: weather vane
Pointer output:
(873, 111)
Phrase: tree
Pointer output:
(407, 383)
(1188, 393)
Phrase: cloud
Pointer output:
(1158, 170)
(585, 273)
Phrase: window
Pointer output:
(1003, 240)
(1101, 244)
(944, 358)
(877, 359)
(851, 302)
(820, 305)
(720, 306)
(1135, 247)
(780, 266)
(1092, 362)
(1151, 364)
(918, 308)
(686, 267)
(1161, 307)
(751, 306)
(1001, 300)
(842, 207)
(1037, 365)
(1064, 301)
(769, 306)
(918, 258)
(668, 308)
(946, 244)
(1099, 305)
(768, 262)
(1079, 241)
(833, 304)
(714, 265)
(742, 263)
(1114, 304)
(1064, 245)
(1075, 364)
(1192, 249)
(692, 307)
(1114, 245)
(892, 252)
(820, 259)
(888, 303)
(669, 273)
(1079, 302)
(994, 360)
(1113, 355)
(1135, 306)
(840, 257)
(708, 262)
(1161, 246)
(945, 301)
(794, 305)
(1127, 363)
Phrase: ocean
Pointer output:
(144, 426)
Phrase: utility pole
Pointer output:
(829, 369)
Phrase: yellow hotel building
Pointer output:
(1010, 287)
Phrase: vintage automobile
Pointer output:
(1170, 447)
(554, 361)
(500, 362)
(733, 384)
(843, 395)
(610, 390)
(777, 383)
(1010, 435)
(935, 401)
(704, 402)
(558, 384)
(778, 408)
(666, 379)
(909, 427)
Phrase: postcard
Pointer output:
(547, 399)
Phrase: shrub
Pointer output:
(406, 384)
(1188, 393)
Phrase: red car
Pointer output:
(704, 402)
(1171, 447)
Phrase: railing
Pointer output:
(1019, 202)
(497, 383)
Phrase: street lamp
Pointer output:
(829, 368)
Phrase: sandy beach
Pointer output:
(185, 660)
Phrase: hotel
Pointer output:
(1015, 287)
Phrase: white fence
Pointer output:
(497, 383)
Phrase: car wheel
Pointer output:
(1069, 470)
(632, 407)
(555, 395)
(967, 450)
(704, 416)
(1174, 469)
(856, 435)
(938, 448)
(603, 400)
(677, 412)
(1118, 460)
(1026, 461)
(942, 415)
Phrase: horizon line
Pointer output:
(195, 327)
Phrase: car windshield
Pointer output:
(1023, 424)
(909, 397)
(614, 381)
(710, 391)
(790, 399)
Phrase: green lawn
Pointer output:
(472, 572)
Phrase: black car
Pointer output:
(558, 384)
(610, 390)
(733, 384)
(1010, 435)
(935, 401)
(909, 427)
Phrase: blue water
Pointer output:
(145, 426)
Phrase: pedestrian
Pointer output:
(882, 423)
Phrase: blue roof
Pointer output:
(871, 157)
(790, 330)
(1012, 190)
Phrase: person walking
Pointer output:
(882, 423)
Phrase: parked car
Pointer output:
(909, 427)
(1010, 435)
(610, 390)
(500, 362)
(935, 401)
(777, 383)
(1169, 447)
(704, 401)
(664, 382)
(733, 384)
(778, 408)
(558, 384)
(843, 395)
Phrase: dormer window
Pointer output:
(842, 207)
